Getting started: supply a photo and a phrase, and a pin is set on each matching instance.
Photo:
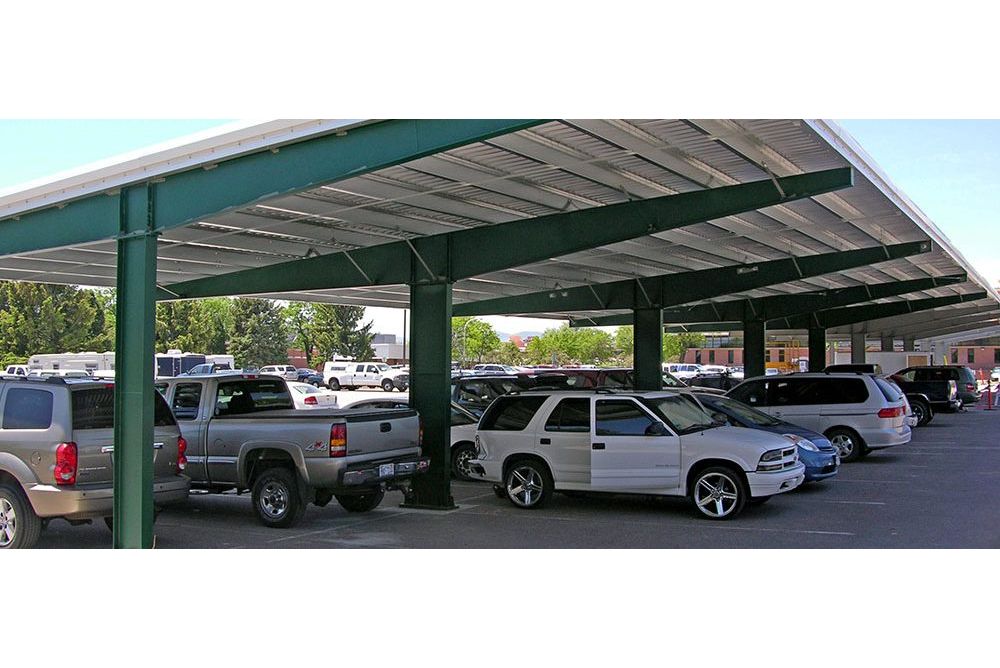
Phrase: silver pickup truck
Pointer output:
(244, 433)
(56, 450)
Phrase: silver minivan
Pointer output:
(857, 412)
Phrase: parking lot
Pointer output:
(940, 490)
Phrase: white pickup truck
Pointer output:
(653, 443)
(352, 375)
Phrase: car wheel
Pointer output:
(719, 493)
(922, 412)
(19, 525)
(461, 455)
(333, 384)
(848, 443)
(528, 483)
(360, 503)
(276, 498)
(387, 385)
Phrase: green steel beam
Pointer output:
(931, 329)
(470, 252)
(430, 385)
(682, 287)
(648, 348)
(781, 306)
(134, 348)
(852, 314)
(754, 338)
(193, 194)
(817, 348)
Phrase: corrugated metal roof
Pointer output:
(557, 166)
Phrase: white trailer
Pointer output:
(891, 362)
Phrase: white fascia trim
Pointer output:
(203, 148)
(848, 147)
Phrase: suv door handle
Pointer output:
(597, 446)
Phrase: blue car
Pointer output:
(816, 452)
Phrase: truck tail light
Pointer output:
(420, 432)
(338, 440)
(891, 412)
(182, 460)
(310, 401)
(971, 387)
(66, 460)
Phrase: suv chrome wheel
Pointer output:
(528, 484)
(8, 523)
(716, 494)
(274, 500)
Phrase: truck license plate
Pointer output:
(385, 470)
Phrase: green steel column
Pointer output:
(817, 348)
(647, 332)
(134, 346)
(753, 348)
(430, 390)
(888, 343)
(858, 347)
(909, 344)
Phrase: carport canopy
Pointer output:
(424, 214)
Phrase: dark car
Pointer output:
(310, 376)
(821, 458)
(476, 393)
(965, 379)
(714, 381)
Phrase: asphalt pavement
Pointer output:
(939, 491)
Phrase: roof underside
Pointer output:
(562, 166)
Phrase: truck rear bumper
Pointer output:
(78, 504)
(388, 472)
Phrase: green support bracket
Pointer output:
(817, 348)
(134, 350)
(648, 349)
(430, 389)
(479, 250)
(668, 290)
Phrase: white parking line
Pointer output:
(859, 503)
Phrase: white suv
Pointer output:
(286, 371)
(351, 375)
(651, 443)
(857, 412)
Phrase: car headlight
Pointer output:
(803, 443)
(771, 455)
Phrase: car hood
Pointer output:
(789, 428)
(752, 438)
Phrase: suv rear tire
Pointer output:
(850, 445)
(19, 525)
(333, 384)
(361, 503)
(922, 411)
(276, 498)
(528, 484)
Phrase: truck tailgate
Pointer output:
(381, 433)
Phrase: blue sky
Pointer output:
(950, 169)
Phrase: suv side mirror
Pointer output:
(657, 429)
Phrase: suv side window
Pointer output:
(621, 417)
(511, 413)
(570, 415)
(845, 391)
(187, 397)
(795, 392)
(27, 409)
(753, 393)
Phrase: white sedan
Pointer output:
(306, 396)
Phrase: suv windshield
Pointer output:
(743, 412)
(682, 412)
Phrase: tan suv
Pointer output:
(56, 450)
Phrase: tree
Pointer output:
(675, 345)
(200, 325)
(39, 318)
(472, 339)
(507, 353)
(567, 345)
(624, 343)
(337, 331)
(260, 336)
(300, 317)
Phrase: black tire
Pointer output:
(19, 525)
(850, 445)
(333, 384)
(387, 385)
(276, 499)
(923, 412)
(460, 456)
(727, 485)
(528, 483)
(360, 503)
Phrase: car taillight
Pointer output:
(891, 412)
(182, 447)
(310, 401)
(971, 387)
(420, 432)
(338, 440)
(65, 469)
